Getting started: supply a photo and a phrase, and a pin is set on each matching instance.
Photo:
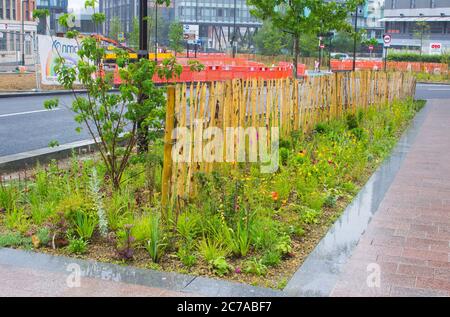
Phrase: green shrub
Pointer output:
(84, 224)
(43, 235)
(271, 258)
(77, 246)
(14, 240)
(220, 266)
(156, 244)
(255, 267)
(210, 249)
(189, 225)
(186, 256)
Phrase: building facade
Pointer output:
(55, 7)
(12, 40)
(127, 10)
(418, 24)
(219, 21)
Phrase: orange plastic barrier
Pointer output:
(227, 72)
(346, 65)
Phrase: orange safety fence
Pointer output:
(346, 65)
(226, 72)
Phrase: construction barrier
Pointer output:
(226, 72)
(347, 65)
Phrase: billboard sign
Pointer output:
(191, 33)
(52, 48)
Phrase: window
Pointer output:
(1, 9)
(13, 7)
(432, 4)
(11, 41)
(413, 4)
(394, 4)
(28, 43)
(8, 10)
(3, 41)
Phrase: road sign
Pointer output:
(435, 48)
(387, 38)
(191, 33)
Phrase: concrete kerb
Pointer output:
(16, 162)
(171, 281)
(38, 93)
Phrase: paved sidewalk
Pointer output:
(408, 239)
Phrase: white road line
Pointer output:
(26, 112)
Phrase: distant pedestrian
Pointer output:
(316, 66)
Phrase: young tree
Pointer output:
(176, 37)
(115, 27)
(133, 36)
(114, 121)
(421, 32)
(270, 41)
(297, 17)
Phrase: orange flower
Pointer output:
(274, 196)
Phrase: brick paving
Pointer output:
(409, 237)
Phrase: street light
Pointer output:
(156, 30)
(354, 40)
(143, 32)
(23, 31)
(234, 46)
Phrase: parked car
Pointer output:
(340, 56)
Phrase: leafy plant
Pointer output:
(256, 267)
(239, 240)
(210, 249)
(220, 266)
(156, 244)
(14, 240)
(189, 225)
(124, 247)
(271, 258)
(186, 256)
(84, 225)
(96, 196)
(284, 245)
(77, 246)
(43, 235)
(309, 216)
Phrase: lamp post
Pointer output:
(354, 40)
(156, 30)
(234, 44)
(23, 30)
(143, 29)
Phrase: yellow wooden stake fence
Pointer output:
(290, 105)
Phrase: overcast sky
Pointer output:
(76, 4)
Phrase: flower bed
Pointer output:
(242, 225)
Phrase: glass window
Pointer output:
(3, 41)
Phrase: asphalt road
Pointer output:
(25, 125)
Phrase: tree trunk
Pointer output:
(295, 58)
(142, 138)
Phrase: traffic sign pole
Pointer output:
(387, 43)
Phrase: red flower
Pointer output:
(274, 196)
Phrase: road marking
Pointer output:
(26, 112)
